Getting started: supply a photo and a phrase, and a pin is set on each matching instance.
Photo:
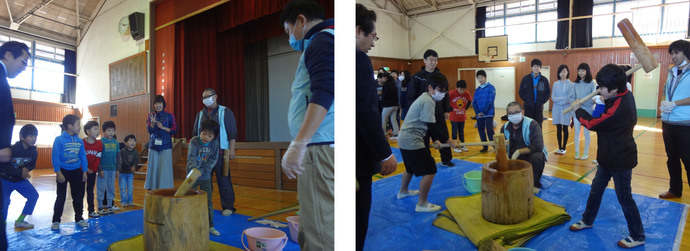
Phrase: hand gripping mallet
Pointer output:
(647, 60)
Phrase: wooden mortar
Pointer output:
(175, 223)
(507, 197)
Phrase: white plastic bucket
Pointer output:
(264, 239)
(293, 224)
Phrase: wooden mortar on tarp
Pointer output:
(507, 196)
(175, 222)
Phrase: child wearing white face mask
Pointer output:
(415, 152)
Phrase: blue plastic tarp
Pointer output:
(105, 230)
(394, 225)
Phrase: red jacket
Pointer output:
(93, 154)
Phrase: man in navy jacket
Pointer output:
(15, 56)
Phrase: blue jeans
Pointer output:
(24, 188)
(621, 179)
(103, 185)
(486, 128)
(126, 187)
(457, 130)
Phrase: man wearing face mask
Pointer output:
(226, 140)
(311, 120)
(525, 141)
(675, 118)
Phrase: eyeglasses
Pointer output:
(24, 61)
(376, 37)
(511, 113)
(208, 96)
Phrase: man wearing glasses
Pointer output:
(15, 56)
(525, 141)
(228, 134)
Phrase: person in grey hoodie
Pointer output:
(202, 155)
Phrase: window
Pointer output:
(522, 33)
(546, 31)
(602, 25)
(44, 76)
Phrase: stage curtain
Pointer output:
(70, 89)
(582, 28)
(480, 22)
(256, 86)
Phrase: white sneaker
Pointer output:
(595, 162)
(83, 223)
(585, 156)
(111, 211)
(214, 232)
(115, 208)
(563, 151)
(227, 212)
(427, 209)
(457, 150)
(393, 138)
(577, 155)
(23, 224)
(465, 149)
(536, 190)
(124, 204)
(94, 215)
(55, 226)
(408, 194)
(103, 211)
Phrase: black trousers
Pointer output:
(362, 210)
(536, 114)
(90, 184)
(76, 186)
(676, 138)
(538, 161)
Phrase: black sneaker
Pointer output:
(485, 149)
(448, 163)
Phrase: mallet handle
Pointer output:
(596, 92)
(188, 182)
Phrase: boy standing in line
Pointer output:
(460, 99)
(130, 164)
(107, 171)
(94, 149)
(535, 91)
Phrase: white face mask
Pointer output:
(438, 96)
(515, 118)
(401, 77)
(208, 101)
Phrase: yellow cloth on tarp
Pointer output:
(464, 217)
(137, 243)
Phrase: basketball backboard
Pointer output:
(493, 48)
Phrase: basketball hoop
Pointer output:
(487, 58)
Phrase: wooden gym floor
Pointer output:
(650, 177)
(249, 201)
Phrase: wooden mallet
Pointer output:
(188, 182)
(647, 60)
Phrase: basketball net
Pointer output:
(488, 58)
